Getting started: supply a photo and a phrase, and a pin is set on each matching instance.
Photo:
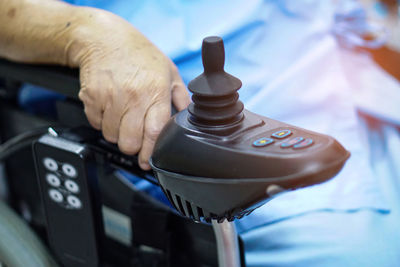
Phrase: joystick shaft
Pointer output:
(215, 98)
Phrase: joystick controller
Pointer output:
(215, 98)
(217, 160)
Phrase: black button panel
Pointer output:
(61, 188)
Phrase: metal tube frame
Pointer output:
(227, 244)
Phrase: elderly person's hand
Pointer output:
(127, 84)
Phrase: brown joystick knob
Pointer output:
(215, 98)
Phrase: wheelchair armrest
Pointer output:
(59, 79)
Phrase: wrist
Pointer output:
(93, 33)
(81, 36)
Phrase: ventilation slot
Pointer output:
(179, 204)
(189, 210)
(197, 213)
(171, 199)
(200, 212)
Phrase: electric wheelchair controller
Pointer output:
(67, 177)
(238, 159)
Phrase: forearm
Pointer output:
(42, 31)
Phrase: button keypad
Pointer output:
(63, 189)
(282, 140)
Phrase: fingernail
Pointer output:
(144, 165)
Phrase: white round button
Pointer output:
(69, 170)
(71, 186)
(74, 202)
(53, 180)
(56, 195)
(50, 164)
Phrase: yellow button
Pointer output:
(282, 134)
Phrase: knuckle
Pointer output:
(133, 94)
(94, 119)
(162, 82)
(109, 132)
(82, 94)
(157, 79)
(152, 133)
(87, 94)
(179, 87)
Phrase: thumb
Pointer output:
(180, 95)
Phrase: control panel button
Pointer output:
(53, 180)
(69, 170)
(282, 134)
(303, 144)
(71, 186)
(263, 142)
(74, 202)
(50, 164)
(56, 195)
(292, 142)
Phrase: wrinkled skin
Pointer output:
(127, 83)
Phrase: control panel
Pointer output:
(68, 188)
(61, 180)
(284, 140)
